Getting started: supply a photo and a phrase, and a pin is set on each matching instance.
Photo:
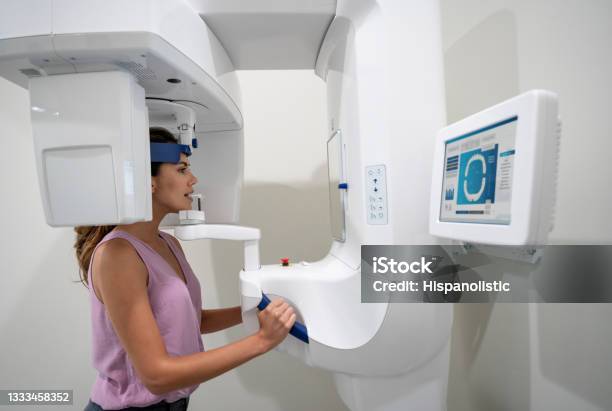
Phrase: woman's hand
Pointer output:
(275, 322)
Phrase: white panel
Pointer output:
(72, 172)
(270, 41)
(269, 34)
(72, 117)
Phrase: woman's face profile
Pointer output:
(173, 185)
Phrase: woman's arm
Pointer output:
(219, 319)
(121, 278)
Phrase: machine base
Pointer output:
(422, 389)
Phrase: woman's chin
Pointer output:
(186, 206)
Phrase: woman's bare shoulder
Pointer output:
(116, 257)
(117, 249)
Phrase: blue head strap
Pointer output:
(168, 153)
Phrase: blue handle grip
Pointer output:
(298, 330)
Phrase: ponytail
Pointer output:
(87, 238)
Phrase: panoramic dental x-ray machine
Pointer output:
(100, 73)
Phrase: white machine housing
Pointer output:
(531, 181)
(151, 42)
(90, 133)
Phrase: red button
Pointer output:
(284, 262)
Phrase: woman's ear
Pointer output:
(153, 185)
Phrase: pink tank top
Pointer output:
(177, 311)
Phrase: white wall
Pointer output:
(547, 356)
(45, 335)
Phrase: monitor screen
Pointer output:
(478, 168)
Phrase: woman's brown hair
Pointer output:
(88, 237)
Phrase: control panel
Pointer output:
(376, 194)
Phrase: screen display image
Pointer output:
(478, 168)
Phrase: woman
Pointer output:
(146, 303)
